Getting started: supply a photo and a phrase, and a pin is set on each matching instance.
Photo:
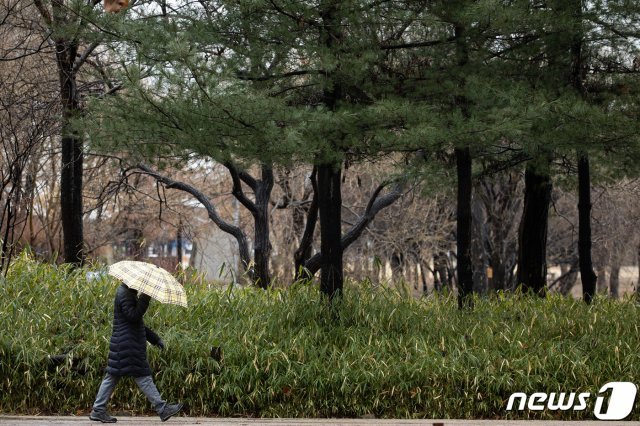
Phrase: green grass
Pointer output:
(286, 354)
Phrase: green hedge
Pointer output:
(285, 354)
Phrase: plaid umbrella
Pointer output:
(150, 279)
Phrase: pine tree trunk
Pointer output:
(305, 248)
(72, 157)
(329, 173)
(262, 244)
(499, 272)
(71, 200)
(463, 235)
(532, 241)
(587, 276)
(329, 207)
(479, 256)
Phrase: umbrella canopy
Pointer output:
(151, 280)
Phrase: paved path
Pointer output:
(77, 421)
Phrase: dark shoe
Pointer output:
(168, 411)
(102, 417)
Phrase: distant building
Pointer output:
(215, 255)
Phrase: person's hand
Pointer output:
(160, 344)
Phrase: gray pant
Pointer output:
(145, 384)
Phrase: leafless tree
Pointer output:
(27, 124)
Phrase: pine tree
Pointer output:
(262, 83)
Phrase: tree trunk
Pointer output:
(233, 230)
(397, 264)
(463, 169)
(262, 244)
(587, 276)
(423, 278)
(72, 156)
(463, 235)
(194, 254)
(329, 171)
(330, 210)
(532, 241)
(304, 250)
(179, 245)
(499, 273)
(576, 70)
(135, 244)
(440, 274)
(374, 206)
(480, 258)
(568, 275)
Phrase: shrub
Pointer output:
(285, 353)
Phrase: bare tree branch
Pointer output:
(235, 231)
(46, 14)
(374, 206)
(237, 188)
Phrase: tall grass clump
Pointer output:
(285, 353)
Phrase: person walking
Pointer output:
(128, 355)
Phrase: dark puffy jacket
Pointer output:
(128, 346)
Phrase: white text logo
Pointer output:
(620, 401)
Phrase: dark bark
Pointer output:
(259, 209)
(576, 71)
(437, 280)
(59, 20)
(397, 264)
(262, 242)
(303, 253)
(480, 257)
(441, 279)
(502, 204)
(423, 278)
(8, 218)
(375, 205)
(71, 155)
(329, 208)
(463, 232)
(10, 190)
(587, 275)
(498, 280)
(463, 209)
(179, 244)
(532, 239)
(134, 243)
(329, 173)
(194, 254)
